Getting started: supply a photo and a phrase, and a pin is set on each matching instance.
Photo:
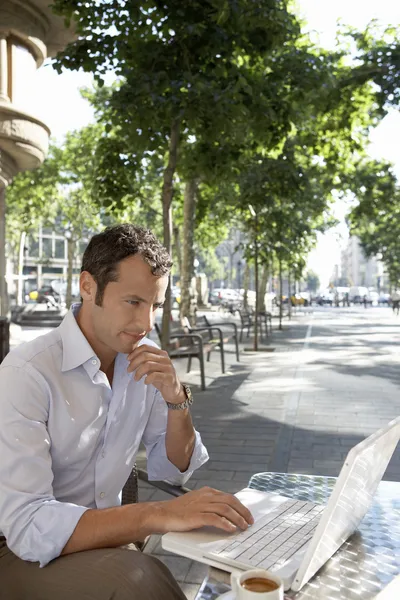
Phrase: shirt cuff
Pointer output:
(160, 468)
(49, 531)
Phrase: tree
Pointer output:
(60, 192)
(376, 217)
(30, 202)
(181, 64)
(377, 62)
(312, 281)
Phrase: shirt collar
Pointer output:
(76, 348)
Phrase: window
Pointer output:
(82, 247)
(47, 250)
(33, 247)
(22, 73)
(60, 249)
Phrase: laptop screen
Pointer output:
(350, 499)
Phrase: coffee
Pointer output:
(259, 584)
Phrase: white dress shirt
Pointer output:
(68, 440)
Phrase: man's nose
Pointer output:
(146, 320)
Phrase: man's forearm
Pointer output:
(180, 438)
(112, 527)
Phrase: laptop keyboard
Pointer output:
(274, 538)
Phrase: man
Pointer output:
(74, 406)
(395, 298)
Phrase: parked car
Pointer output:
(45, 293)
(175, 295)
(218, 295)
(384, 299)
(324, 299)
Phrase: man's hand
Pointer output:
(156, 366)
(200, 508)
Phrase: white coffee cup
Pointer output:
(242, 593)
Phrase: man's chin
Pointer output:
(127, 346)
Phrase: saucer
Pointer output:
(227, 596)
(231, 596)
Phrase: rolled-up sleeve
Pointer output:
(159, 467)
(35, 524)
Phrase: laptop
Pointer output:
(294, 538)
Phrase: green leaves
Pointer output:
(376, 217)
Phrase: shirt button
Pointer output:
(94, 362)
(102, 495)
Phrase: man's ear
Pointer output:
(87, 286)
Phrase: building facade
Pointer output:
(46, 261)
(29, 33)
(357, 270)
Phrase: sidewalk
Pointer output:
(333, 379)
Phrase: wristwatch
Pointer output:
(183, 405)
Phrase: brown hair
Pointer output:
(106, 250)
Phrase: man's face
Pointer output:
(129, 304)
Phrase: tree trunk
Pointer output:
(263, 287)
(178, 250)
(246, 283)
(20, 282)
(281, 294)
(71, 256)
(255, 343)
(289, 297)
(3, 282)
(167, 192)
(189, 214)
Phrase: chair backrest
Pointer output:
(130, 491)
(184, 324)
(175, 327)
(203, 321)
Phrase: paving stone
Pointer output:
(178, 565)
(197, 573)
(189, 589)
(207, 474)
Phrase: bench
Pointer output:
(267, 318)
(184, 344)
(247, 322)
(211, 336)
(231, 334)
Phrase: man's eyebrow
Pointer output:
(139, 299)
(134, 297)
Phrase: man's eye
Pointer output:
(133, 302)
(156, 306)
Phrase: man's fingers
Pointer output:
(148, 357)
(213, 520)
(147, 368)
(146, 348)
(222, 497)
(227, 512)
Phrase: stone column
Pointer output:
(3, 69)
(3, 283)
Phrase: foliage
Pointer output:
(376, 217)
(377, 62)
(30, 200)
(312, 281)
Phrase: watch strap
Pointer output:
(186, 403)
